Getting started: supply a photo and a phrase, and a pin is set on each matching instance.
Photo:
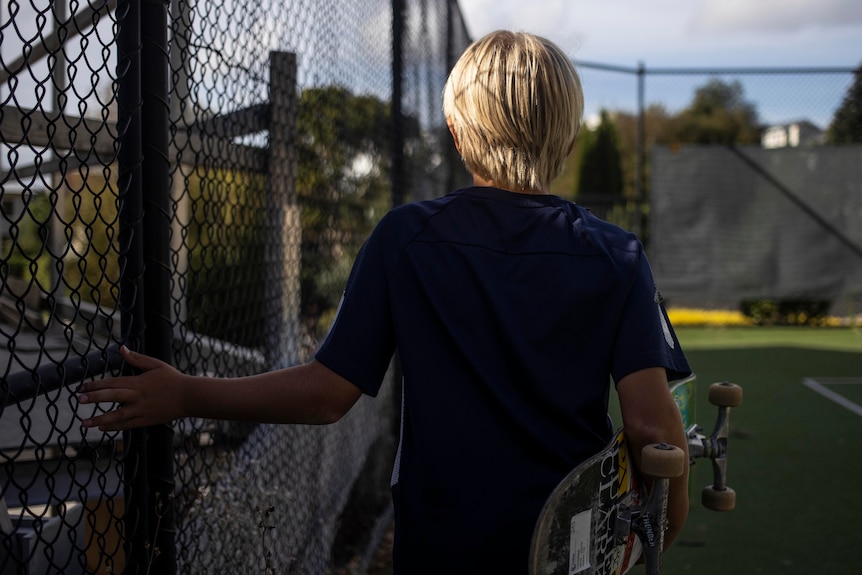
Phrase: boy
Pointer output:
(509, 307)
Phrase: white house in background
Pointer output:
(792, 135)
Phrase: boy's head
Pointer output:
(514, 104)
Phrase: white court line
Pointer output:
(831, 395)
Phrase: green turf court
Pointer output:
(795, 456)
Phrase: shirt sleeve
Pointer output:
(361, 341)
(645, 337)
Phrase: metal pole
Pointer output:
(158, 335)
(398, 177)
(57, 237)
(285, 229)
(641, 154)
(181, 54)
(131, 302)
(399, 171)
(453, 160)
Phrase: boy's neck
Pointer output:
(482, 182)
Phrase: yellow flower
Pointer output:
(680, 317)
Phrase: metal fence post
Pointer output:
(130, 191)
(145, 291)
(638, 219)
(285, 231)
(158, 334)
(399, 170)
(453, 159)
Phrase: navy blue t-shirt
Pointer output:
(510, 313)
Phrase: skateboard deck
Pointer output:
(586, 525)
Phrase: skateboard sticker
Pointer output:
(682, 395)
(579, 542)
(618, 490)
(622, 462)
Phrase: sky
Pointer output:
(695, 34)
(685, 32)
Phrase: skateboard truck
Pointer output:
(718, 496)
(602, 519)
(649, 521)
(662, 462)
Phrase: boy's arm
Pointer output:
(649, 416)
(309, 393)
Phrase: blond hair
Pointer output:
(514, 102)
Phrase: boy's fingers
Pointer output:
(89, 387)
(139, 360)
(115, 421)
(128, 393)
(102, 394)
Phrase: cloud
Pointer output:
(685, 32)
(545, 17)
(723, 16)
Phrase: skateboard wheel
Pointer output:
(663, 460)
(725, 394)
(718, 499)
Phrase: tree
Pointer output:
(25, 252)
(342, 188)
(601, 169)
(846, 126)
(226, 243)
(342, 185)
(657, 123)
(718, 114)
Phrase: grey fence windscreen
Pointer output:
(730, 224)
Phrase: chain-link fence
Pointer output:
(744, 183)
(193, 179)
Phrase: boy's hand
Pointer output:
(151, 398)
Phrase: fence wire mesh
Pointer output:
(194, 179)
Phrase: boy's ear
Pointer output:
(451, 126)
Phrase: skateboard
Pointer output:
(600, 518)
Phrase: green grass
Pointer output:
(794, 456)
(838, 339)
